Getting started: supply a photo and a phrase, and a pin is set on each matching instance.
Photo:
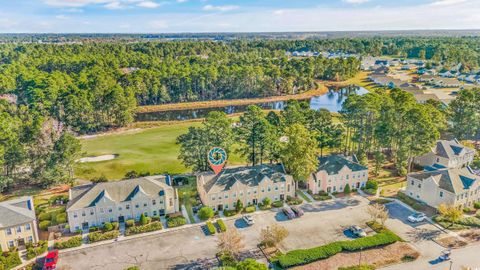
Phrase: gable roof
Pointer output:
(332, 164)
(119, 191)
(249, 176)
(455, 180)
(451, 149)
(17, 211)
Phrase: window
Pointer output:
(412, 182)
(154, 202)
(74, 215)
(9, 231)
(419, 185)
(145, 205)
(119, 208)
(226, 195)
(91, 212)
(269, 189)
(101, 210)
(263, 190)
(234, 195)
(171, 202)
(127, 206)
(83, 214)
(27, 227)
(213, 198)
(136, 205)
(11, 244)
(347, 177)
(441, 193)
(154, 213)
(109, 210)
(276, 187)
(19, 229)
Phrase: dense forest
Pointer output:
(96, 86)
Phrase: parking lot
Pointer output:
(190, 248)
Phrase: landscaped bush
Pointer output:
(176, 221)
(205, 213)
(93, 229)
(221, 225)
(226, 259)
(277, 204)
(43, 225)
(211, 228)
(304, 256)
(319, 197)
(358, 267)
(250, 209)
(108, 226)
(229, 213)
(33, 251)
(9, 260)
(154, 226)
(98, 236)
(61, 218)
(264, 207)
(45, 216)
(129, 223)
(293, 200)
(75, 241)
(476, 205)
(115, 225)
(144, 220)
(469, 221)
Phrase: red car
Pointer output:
(51, 259)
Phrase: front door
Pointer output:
(255, 201)
(282, 197)
(121, 219)
(220, 207)
(85, 225)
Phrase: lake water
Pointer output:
(332, 101)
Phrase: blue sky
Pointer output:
(140, 16)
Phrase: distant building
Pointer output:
(248, 184)
(335, 171)
(94, 204)
(18, 224)
(450, 186)
(447, 154)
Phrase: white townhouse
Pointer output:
(94, 204)
(446, 154)
(451, 186)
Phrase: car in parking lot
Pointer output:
(50, 262)
(288, 212)
(357, 231)
(417, 217)
(297, 210)
(248, 219)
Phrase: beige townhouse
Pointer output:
(18, 224)
(94, 204)
(250, 185)
(446, 154)
(451, 186)
(335, 172)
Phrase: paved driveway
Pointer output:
(190, 248)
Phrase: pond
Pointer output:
(332, 101)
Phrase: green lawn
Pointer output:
(151, 150)
(304, 197)
(187, 194)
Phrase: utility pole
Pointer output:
(360, 259)
(450, 265)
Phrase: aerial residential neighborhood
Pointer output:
(239, 135)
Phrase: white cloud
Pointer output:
(148, 4)
(279, 12)
(114, 5)
(220, 8)
(181, 1)
(73, 10)
(447, 2)
(356, 1)
(74, 3)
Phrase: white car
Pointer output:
(417, 217)
(248, 219)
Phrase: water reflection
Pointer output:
(332, 101)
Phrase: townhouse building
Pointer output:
(335, 172)
(18, 224)
(94, 204)
(249, 184)
(446, 154)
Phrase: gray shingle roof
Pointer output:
(249, 176)
(454, 180)
(450, 149)
(334, 163)
(119, 191)
(17, 211)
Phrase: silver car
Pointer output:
(357, 231)
(248, 219)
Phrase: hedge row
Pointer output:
(176, 221)
(211, 228)
(98, 236)
(304, 256)
(34, 250)
(75, 241)
(9, 260)
(154, 226)
(250, 209)
(222, 225)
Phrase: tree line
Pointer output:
(96, 86)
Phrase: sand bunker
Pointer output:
(97, 158)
